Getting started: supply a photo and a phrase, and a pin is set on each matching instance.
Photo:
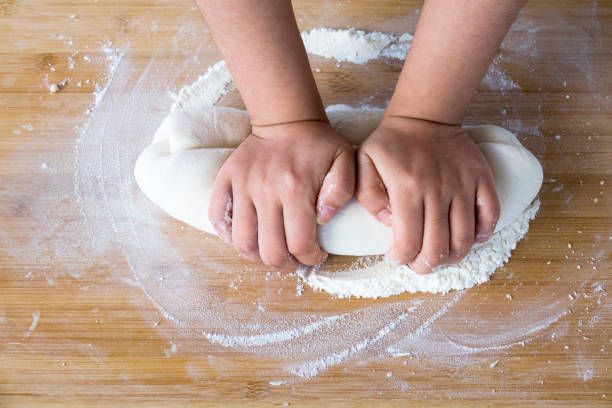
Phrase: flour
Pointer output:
(189, 288)
(380, 279)
(268, 338)
(112, 58)
(35, 317)
(206, 90)
(350, 45)
(191, 181)
(312, 368)
(355, 46)
(84, 224)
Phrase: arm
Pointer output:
(294, 170)
(262, 47)
(437, 190)
(452, 49)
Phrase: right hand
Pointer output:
(273, 189)
(432, 185)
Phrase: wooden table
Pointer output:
(104, 300)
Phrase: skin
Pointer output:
(418, 172)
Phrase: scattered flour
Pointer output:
(56, 87)
(310, 338)
(112, 212)
(268, 338)
(35, 317)
(207, 89)
(343, 45)
(113, 58)
(356, 46)
(496, 79)
(380, 279)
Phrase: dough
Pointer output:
(178, 169)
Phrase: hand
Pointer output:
(274, 188)
(432, 185)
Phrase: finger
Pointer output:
(220, 209)
(271, 237)
(301, 233)
(487, 210)
(244, 227)
(407, 226)
(434, 251)
(462, 226)
(371, 191)
(338, 187)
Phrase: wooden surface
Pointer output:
(82, 318)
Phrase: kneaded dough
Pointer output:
(178, 169)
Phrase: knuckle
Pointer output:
(421, 266)
(463, 246)
(221, 211)
(407, 252)
(495, 210)
(215, 218)
(301, 246)
(371, 196)
(292, 183)
(488, 219)
(245, 246)
(343, 190)
(489, 206)
(215, 215)
(276, 259)
(439, 190)
(437, 258)
(410, 181)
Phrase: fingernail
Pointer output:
(391, 258)
(385, 217)
(322, 255)
(325, 213)
(227, 238)
(225, 232)
(483, 236)
(423, 271)
(251, 256)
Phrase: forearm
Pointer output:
(452, 49)
(262, 47)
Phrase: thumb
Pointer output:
(371, 191)
(338, 186)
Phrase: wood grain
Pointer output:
(98, 338)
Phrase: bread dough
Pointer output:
(178, 169)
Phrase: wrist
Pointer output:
(421, 120)
(419, 94)
(279, 112)
(406, 125)
(295, 128)
(298, 119)
(442, 114)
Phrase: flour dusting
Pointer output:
(355, 46)
(377, 279)
(380, 279)
(317, 342)
(35, 317)
(89, 207)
